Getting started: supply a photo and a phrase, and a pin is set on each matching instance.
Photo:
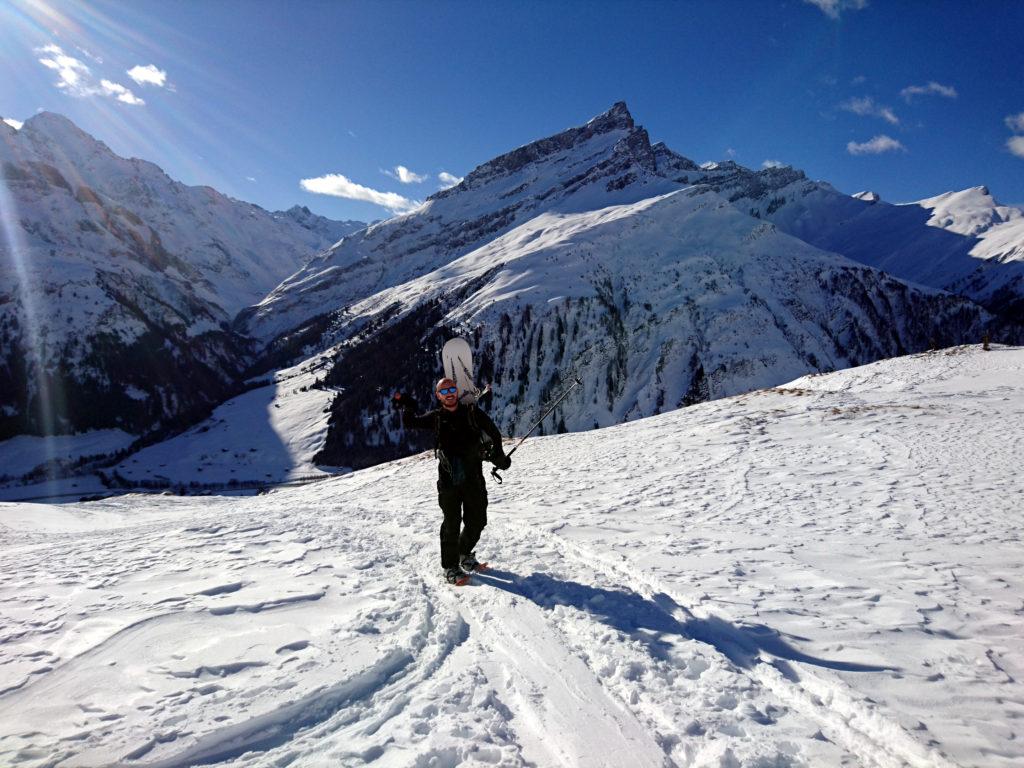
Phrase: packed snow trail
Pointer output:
(826, 573)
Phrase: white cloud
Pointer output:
(72, 74)
(876, 146)
(833, 8)
(406, 176)
(730, 152)
(75, 78)
(859, 80)
(15, 124)
(336, 185)
(1016, 145)
(250, 178)
(933, 88)
(773, 164)
(120, 93)
(448, 179)
(1015, 123)
(148, 75)
(867, 107)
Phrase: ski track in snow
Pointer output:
(825, 573)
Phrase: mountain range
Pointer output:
(592, 253)
(118, 284)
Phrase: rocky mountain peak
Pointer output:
(616, 120)
(53, 127)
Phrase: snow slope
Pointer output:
(964, 242)
(607, 161)
(825, 573)
(268, 434)
(22, 454)
(233, 252)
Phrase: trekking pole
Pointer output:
(577, 382)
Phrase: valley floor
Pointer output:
(825, 573)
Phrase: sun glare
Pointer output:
(17, 255)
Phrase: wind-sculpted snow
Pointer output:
(825, 573)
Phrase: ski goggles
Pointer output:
(448, 391)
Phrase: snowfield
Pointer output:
(824, 573)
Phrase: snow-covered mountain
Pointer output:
(658, 304)
(822, 574)
(118, 284)
(591, 252)
(963, 242)
(607, 161)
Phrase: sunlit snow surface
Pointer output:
(824, 573)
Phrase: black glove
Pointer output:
(402, 402)
(501, 461)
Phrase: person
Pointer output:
(462, 432)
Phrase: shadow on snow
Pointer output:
(652, 620)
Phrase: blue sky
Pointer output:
(907, 98)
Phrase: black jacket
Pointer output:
(458, 441)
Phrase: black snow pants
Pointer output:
(465, 508)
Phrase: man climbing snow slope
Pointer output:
(464, 437)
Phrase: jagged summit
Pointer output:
(607, 161)
(617, 121)
(616, 118)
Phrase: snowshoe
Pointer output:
(456, 577)
(469, 563)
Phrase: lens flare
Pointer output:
(16, 254)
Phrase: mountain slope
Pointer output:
(826, 573)
(117, 284)
(658, 304)
(963, 242)
(607, 161)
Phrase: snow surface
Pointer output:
(824, 573)
(20, 455)
(269, 434)
(969, 212)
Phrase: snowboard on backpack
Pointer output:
(457, 358)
